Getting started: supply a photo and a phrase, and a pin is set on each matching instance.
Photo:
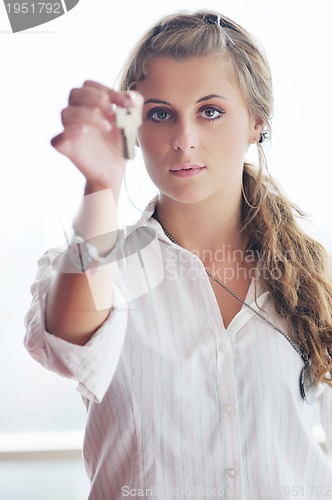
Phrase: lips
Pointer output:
(186, 169)
(186, 166)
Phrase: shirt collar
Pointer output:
(146, 220)
(258, 287)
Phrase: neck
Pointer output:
(208, 225)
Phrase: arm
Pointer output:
(93, 143)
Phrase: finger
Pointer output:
(89, 116)
(70, 132)
(97, 85)
(56, 140)
(64, 142)
(114, 97)
(61, 141)
(89, 97)
(129, 98)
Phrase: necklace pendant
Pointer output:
(308, 385)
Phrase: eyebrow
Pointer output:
(205, 98)
(211, 96)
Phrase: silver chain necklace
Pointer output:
(308, 385)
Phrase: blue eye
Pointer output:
(158, 115)
(211, 113)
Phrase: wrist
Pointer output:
(95, 187)
(85, 256)
(97, 215)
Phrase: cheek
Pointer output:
(223, 143)
(149, 149)
(235, 138)
(150, 146)
(144, 138)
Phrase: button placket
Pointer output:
(222, 347)
(228, 409)
(231, 472)
(227, 391)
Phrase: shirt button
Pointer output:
(231, 472)
(222, 347)
(228, 409)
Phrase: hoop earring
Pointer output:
(246, 199)
(129, 197)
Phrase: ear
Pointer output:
(257, 129)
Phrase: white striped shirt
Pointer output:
(178, 406)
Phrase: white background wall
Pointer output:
(38, 69)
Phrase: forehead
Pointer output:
(207, 74)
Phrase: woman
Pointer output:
(201, 337)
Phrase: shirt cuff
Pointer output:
(93, 365)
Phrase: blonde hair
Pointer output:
(301, 288)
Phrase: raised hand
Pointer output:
(91, 139)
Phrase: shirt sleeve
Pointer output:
(92, 365)
(326, 416)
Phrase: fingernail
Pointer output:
(127, 100)
(107, 125)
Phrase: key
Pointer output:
(129, 120)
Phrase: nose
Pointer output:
(185, 137)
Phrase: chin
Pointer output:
(186, 196)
